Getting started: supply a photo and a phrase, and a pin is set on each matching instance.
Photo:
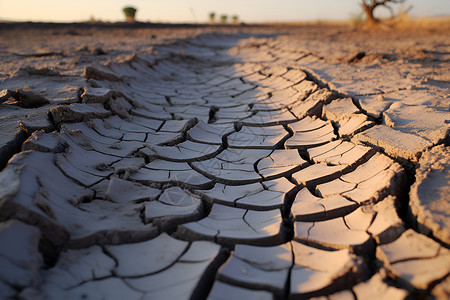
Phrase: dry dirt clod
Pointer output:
(26, 99)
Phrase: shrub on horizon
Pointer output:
(130, 13)
(223, 19)
(212, 17)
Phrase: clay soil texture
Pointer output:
(150, 161)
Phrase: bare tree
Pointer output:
(370, 5)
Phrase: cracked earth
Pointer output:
(220, 164)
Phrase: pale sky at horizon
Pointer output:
(197, 10)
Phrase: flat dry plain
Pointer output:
(145, 161)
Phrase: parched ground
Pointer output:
(242, 162)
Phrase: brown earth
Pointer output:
(343, 125)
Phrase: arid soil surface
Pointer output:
(224, 162)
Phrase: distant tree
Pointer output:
(223, 19)
(212, 17)
(130, 13)
(235, 19)
(370, 5)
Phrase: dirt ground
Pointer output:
(402, 66)
(336, 43)
(273, 161)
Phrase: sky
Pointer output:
(189, 11)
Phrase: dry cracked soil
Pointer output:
(241, 162)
